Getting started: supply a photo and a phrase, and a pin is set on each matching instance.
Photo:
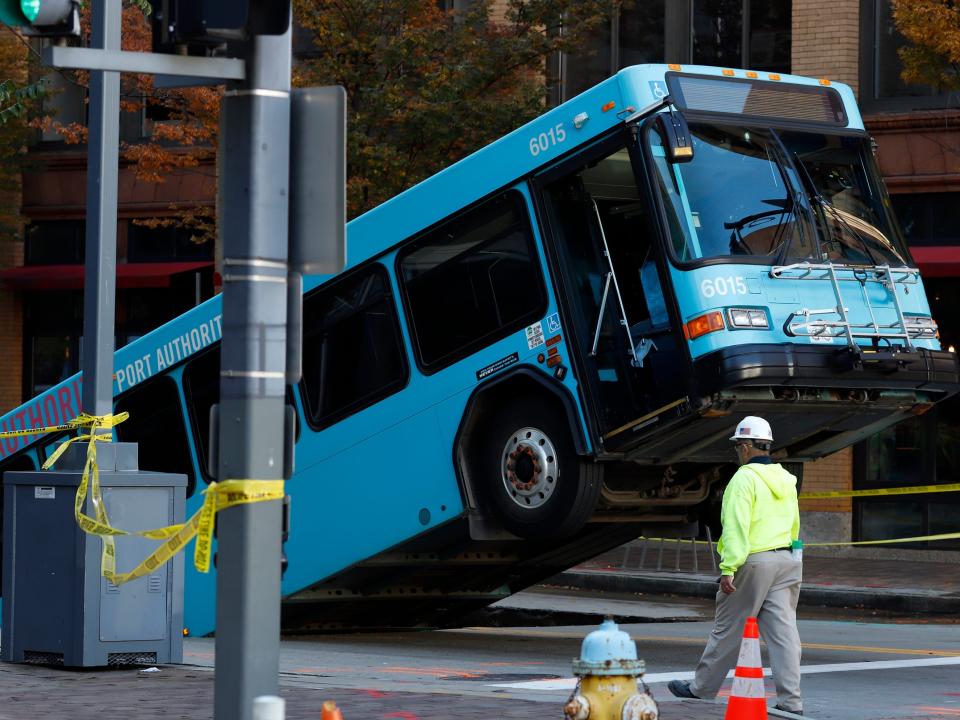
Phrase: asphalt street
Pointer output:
(852, 669)
(856, 666)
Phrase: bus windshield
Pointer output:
(786, 196)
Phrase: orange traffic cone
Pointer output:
(330, 711)
(747, 697)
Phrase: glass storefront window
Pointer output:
(718, 32)
(881, 87)
(943, 520)
(927, 218)
(921, 451)
(733, 33)
(54, 242)
(53, 358)
(769, 48)
(720, 38)
(583, 70)
(641, 33)
(895, 456)
(891, 519)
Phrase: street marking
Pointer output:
(650, 678)
(940, 711)
(435, 672)
(702, 641)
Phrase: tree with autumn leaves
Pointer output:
(932, 28)
(425, 86)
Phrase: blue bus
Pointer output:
(539, 353)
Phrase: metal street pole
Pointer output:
(103, 145)
(255, 187)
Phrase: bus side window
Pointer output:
(472, 281)
(201, 388)
(156, 425)
(353, 354)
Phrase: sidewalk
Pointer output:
(901, 582)
(186, 693)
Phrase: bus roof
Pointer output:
(506, 160)
(489, 169)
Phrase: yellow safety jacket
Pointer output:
(760, 512)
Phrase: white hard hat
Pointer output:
(753, 428)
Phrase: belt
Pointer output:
(786, 547)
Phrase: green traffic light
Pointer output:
(30, 9)
(10, 13)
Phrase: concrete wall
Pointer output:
(827, 519)
(826, 527)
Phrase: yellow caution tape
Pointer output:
(217, 496)
(915, 490)
(920, 538)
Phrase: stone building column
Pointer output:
(826, 40)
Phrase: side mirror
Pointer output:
(676, 136)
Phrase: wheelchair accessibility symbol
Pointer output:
(657, 89)
(553, 323)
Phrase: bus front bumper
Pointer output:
(790, 365)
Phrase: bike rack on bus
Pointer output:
(813, 324)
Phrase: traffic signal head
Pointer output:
(200, 24)
(42, 17)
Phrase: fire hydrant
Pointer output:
(609, 684)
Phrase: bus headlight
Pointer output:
(748, 318)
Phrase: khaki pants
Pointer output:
(768, 586)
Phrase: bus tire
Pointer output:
(531, 474)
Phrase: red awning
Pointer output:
(70, 277)
(937, 261)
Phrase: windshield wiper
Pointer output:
(785, 153)
(838, 217)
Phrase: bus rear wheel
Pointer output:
(536, 483)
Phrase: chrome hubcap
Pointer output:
(529, 467)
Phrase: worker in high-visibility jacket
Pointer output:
(761, 575)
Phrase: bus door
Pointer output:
(604, 242)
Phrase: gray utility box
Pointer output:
(57, 608)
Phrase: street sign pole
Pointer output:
(255, 135)
(254, 442)
(101, 239)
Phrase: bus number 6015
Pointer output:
(729, 285)
(545, 140)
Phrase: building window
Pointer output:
(881, 87)
(741, 33)
(634, 37)
(927, 218)
(750, 34)
(923, 450)
(471, 281)
(53, 322)
(156, 424)
(164, 244)
(55, 242)
(353, 354)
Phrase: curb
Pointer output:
(810, 595)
